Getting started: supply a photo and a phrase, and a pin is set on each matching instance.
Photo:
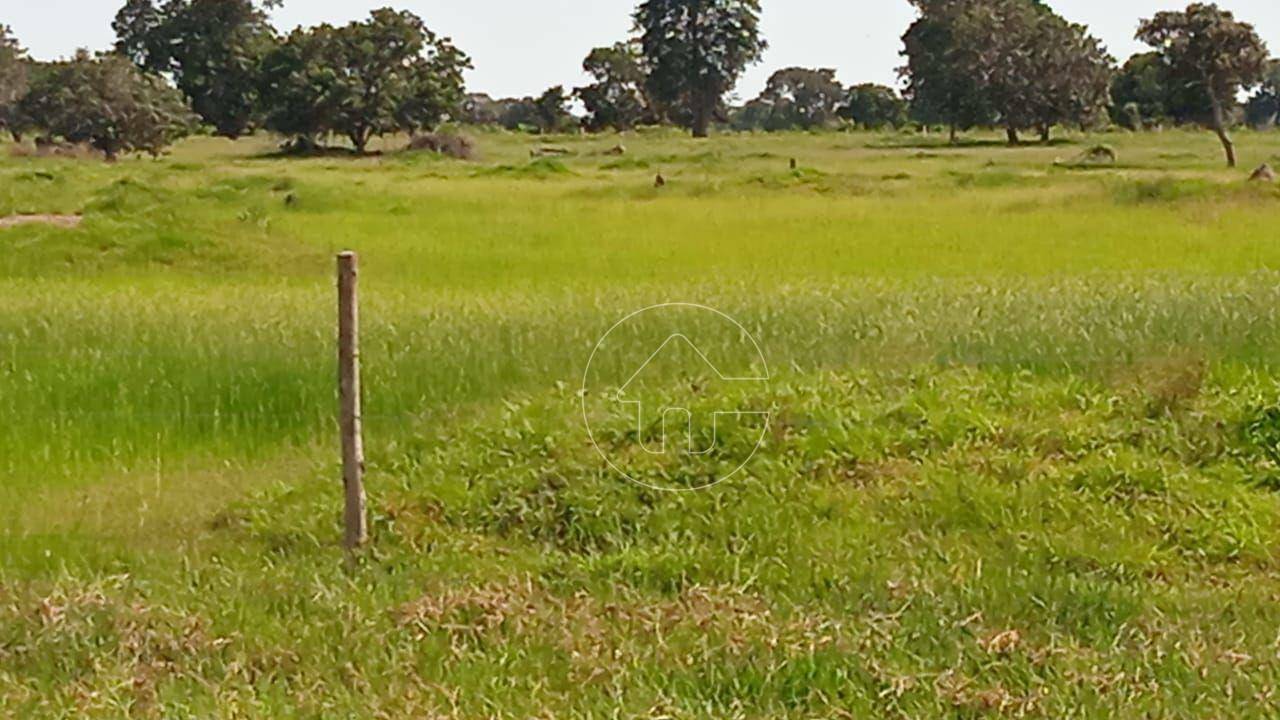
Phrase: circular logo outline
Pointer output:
(587, 372)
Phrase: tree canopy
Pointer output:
(1263, 107)
(551, 110)
(107, 103)
(13, 81)
(211, 48)
(1144, 94)
(940, 87)
(1206, 45)
(696, 50)
(1014, 63)
(873, 106)
(387, 74)
(617, 97)
(794, 98)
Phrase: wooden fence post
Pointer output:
(357, 532)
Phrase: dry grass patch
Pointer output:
(61, 221)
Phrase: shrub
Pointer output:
(106, 103)
(450, 144)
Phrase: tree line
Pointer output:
(1011, 64)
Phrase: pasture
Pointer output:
(1022, 460)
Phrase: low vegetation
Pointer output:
(1022, 458)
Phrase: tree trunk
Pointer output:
(701, 119)
(1045, 134)
(359, 138)
(1012, 134)
(953, 134)
(110, 151)
(1220, 127)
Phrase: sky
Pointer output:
(521, 48)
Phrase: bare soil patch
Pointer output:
(62, 221)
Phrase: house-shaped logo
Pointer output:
(676, 419)
(669, 396)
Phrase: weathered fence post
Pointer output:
(357, 531)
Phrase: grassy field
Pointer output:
(1023, 458)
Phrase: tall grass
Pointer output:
(1022, 455)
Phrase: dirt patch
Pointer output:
(62, 221)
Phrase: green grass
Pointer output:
(1022, 460)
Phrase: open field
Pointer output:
(1023, 459)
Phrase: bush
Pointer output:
(450, 144)
(106, 103)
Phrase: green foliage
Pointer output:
(1263, 108)
(1207, 45)
(695, 51)
(547, 113)
(1029, 471)
(387, 74)
(107, 103)
(617, 97)
(874, 107)
(519, 114)
(941, 88)
(1013, 61)
(211, 49)
(1144, 94)
(13, 81)
(551, 110)
(794, 98)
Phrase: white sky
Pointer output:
(521, 48)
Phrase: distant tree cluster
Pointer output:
(180, 63)
(1263, 109)
(806, 99)
(683, 60)
(385, 75)
(1146, 95)
(1016, 64)
(547, 113)
(101, 101)
(1013, 64)
(1010, 64)
(14, 71)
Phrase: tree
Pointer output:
(1076, 85)
(1138, 92)
(436, 88)
(107, 103)
(1207, 45)
(517, 114)
(479, 109)
(551, 110)
(873, 106)
(1013, 62)
(295, 86)
(211, 48)
(796, 98)
(940, 87)
(387, 74)
(617, 98)
(13, 82)
(1143, 93)
(755, 115)
(1034, 68)
(696, 50)
(1263, 107)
